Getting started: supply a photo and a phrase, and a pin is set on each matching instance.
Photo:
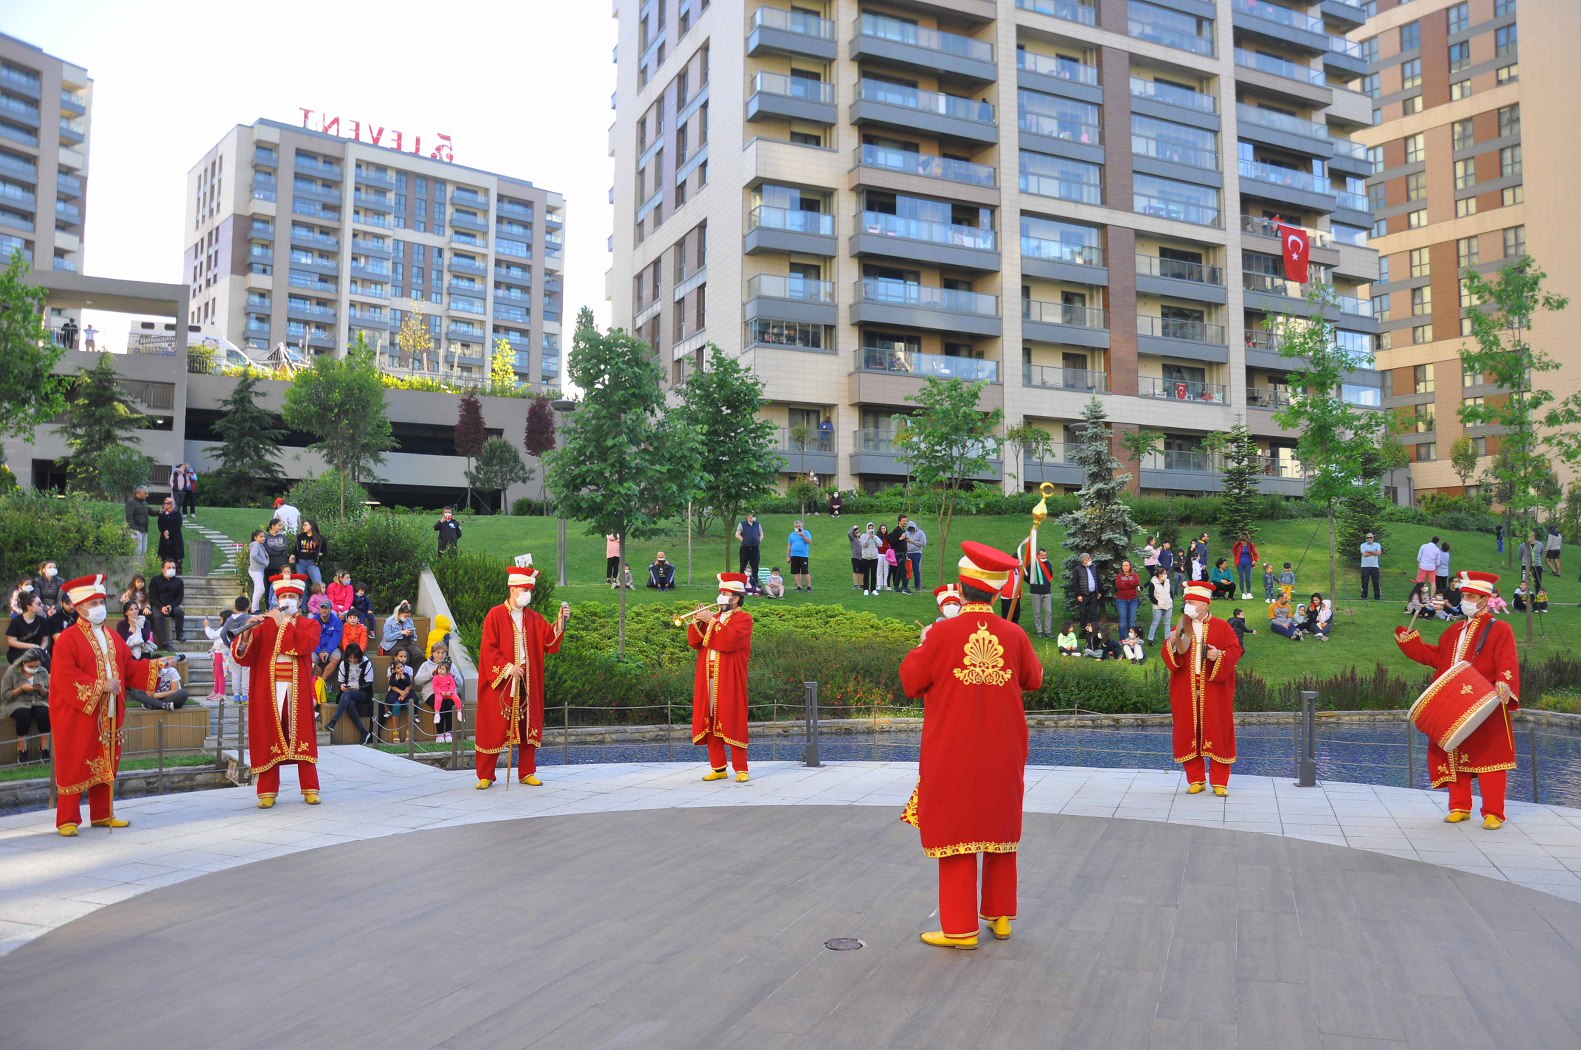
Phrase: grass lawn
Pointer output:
(40, 770)
(1362, 637)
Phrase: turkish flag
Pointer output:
(1298, 252)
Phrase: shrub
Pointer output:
(475, 583)
(121, 469)
(319, 498)
(526, 505)
(384, 551)
(81, 536)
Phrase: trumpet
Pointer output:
(682, 619)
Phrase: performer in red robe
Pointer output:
(510, 680)
(1201, 656)
(89, 674)
(970, 671)
(723, 642)
(276, 648)
(1488, 754)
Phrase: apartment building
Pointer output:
(306, 238)
(1064, 198)
(45, 105)
(1456, 95)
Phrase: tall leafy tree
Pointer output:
(249, 449)
(502, 369)
(538, 437)
(1463, 458)
(98, 420)
(415, 338)
(30, 393)
(1242, 464)
(499, 467)
(1101, 524)
(629, 463)
(1336, 439)
(341, 401)
(737, 462)
(471, 433)
(949, 440)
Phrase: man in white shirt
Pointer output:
(289, 516)
(1427, 556)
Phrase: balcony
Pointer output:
(904, 162)
(1160, 34)
(314, 239)
(929, 112)
(17, 197)
(373, 249)
(470, 240)
(1177, 210)
(467, 264)
(885, 302)
(1279, 25)
(893, 360)
(316, 263)
(1275, 295)
(465, 198)
(1349, 13)
(1181, 279)
(1175, 153)
(376, 177)
(461, 330)
(70, 100)
(265, 157)
(938, 243)
(789, 230)
(509, 209)
(1064, 137)
(908, 44)
(1288, 186)
(1170, 337)
(1073, 190)
(791, 98)
(1286, 78)
(1180, 390)
(502, 272)
(875, 453)
(1282, 131)
(364, 217)
(383, 202)
(12, 164)
(321, 168)
(1267, 398)
(465, 220)
(73, 132)
(1063, 261)
(294, 308)
(70, 214)
(1064, 323)
(1176, 98)
(1057, 75)
(472, 288)
(790, 298)
(1350, 158)
(307, 282)
(16, 134)
(1344, 58)
(1053, 377)
(816, 453)
(370, 268)
(1082, 12)
(775, 31)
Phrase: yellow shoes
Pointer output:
(1492, 823)
(1001, 927)
(742, 778)
(484, 785)
(68, 831)
(310, 797)
(1456, 816)
(1221, 791)
(1195, 789)
(265, 801)
(531, 780)
(940, 939)
(715, 774)
(112, 822)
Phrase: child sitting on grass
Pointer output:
(1132, 647)
(775, 587)
(1497, 604)
(1067, 643)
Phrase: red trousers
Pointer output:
(716, 754)
(959, 911)
(1218, 772)
(306, 775)
(526, 762)
(68, 808)
(1493, 788)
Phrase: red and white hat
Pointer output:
(522, 576)
(85, 589)
(947, 594)
(1478, 583)
(1198, 591)
(987, 568)
(288, 583)
(732, 582)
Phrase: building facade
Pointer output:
(310, 239)
(1456, 96)
(45, 108)
(1065, 198)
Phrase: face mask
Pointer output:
(96, 615)
(170, 573)
(723, 600)
(951, 610)
(524, 599)
(1469, 607)
(27, 588)
(1193, 611)
(30, 671)
(49, 573)
(288, 606)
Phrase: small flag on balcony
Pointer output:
(1298, 251)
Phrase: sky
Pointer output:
(521, 86)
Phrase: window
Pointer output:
(1465, 133)
(1422, 301)
(1460, 89)
(1467, 300)
(1372, 86)
(1417, 219)
(1375, 158)
(1465, 173)
(1459, 56)
(1420, 420)
(1510, 161)
(1416, 186)
(1427, 451)
(1377, 196)
(1459, 18)
(1423, 376)
(1380, 227)
(1512, 195)
(1421, 266)
(1465, 326)
(1422, 333)
(1509, 120)
(1411, 74)
(1369, 50)
(1467, 252)
(1503, 7)
(1508, 73)
(1474, 402)
(1505, 41)
(1465, 206)
(1415, 148)
(1383, 268)
(1382, 306)
(1514, 242)
(1411, 105)
(1410, 36)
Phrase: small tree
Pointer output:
(1242, 465)
(1101, 524)
(414, 338)
(502, 369)
(98, 420)
(499, 467)
(341, 400)
(1031, 442)
(248, 455)
(1463, 458)
(121, 469)
(1141, 444)
(471, 433)
(30, 393)
(948, 440)
(539, 434)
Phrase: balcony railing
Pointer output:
(1056, 67)
(920, 230)
(1158, 34)
(1349, 148)
(909, 362)
(1179, 211)
(1270, 284)
(963, 171)
(1174, 96)
(1289, 178)
(1053, 377)
(792, 87)
(799, 289)
(1181, 390)
(1179, 270)
(1060, 251)
(1062, 189)
(1280, 15)
(1083, 12)
(1352, 201)
(1060, 128)
(1279, 67)
(1267, 118)
(1181, 460)
(1267, 397)
(1350, 304)
(1348, 48)
(1175, 152)
(1175, 328)
(1261, 227)
(1064, 313)
(793, 335)
(883, 27)
(817, 441)
(904, 293)
(924, 101)
(791, 219)
(799, 22)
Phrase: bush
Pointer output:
(526, 505)
(120, 470)
(83, 537)
(384, 551)
(475, 583)
(319, 498)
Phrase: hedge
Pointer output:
(80, 535)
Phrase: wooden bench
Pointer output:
(185, 730)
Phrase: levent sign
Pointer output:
(366, 131)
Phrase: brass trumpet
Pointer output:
(683, 619)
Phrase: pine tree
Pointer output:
(1242, 464)
(249, 470)
(98, 419)
(471, 433)
(1101, 525)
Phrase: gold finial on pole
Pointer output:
(1040, 513)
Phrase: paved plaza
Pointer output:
(644, 908)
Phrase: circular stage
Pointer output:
(706, 927)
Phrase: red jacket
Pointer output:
(1237, 547)
(719, 689)
(1202, 693)
(1126, 586)
(1491, 746)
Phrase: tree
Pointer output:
(737, 463)
(470, 433)
(30, 393)
(121, 469)
(502, 369)
(1141, 444)
(499, 467)
(1463, 458)
(414, 338)
(539, 434)
(1031, 442)
(1242, 465)
(341, 401)
(1336, 439)
(248, 470)
(98, 420)
(947, 441)
(628, 463)
(1101, 524)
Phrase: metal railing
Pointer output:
(912, 163)
(1082, 12)
(1289, 178)
(922, 230)
(1159, 34)
(800, 22)
(1061, 251)
(1280, 15)
(799, 289)
(791, 219)
(1055, 377)
(792, 87)
(1175, 328)
(1182, 390)
(1064, 313)
(905, 293)
(1179, 270)
(1279, 67)
(1056, 66)
(925, 101)
(910, 362)
(882, 27)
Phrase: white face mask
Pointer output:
(49, 573)
(524, 599)
(96, 615)
(27, 588)
(723, 600)
(1193, 610)
(170, 573)
(288, 606)
(950, 610)
(1470, 606)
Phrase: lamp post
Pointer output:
(563, 409)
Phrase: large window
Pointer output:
(1070, 180)
(1166, 140)
(1504, 40)
(1509, 120)
(1459, 18)
(1410, 74)
(1510, 161)
(1184, 201)
(1357, 346)
(1465, 133)
(1423, 376)
(1467, 253)
(1171, 28)
(1465, 173)
(1058, 117)
(1421, 265)
(1459, 56)
(1415, 148)
(1416, 186)
(1410, 36)
(1514, 242)
(1422, 301)
(1061, 241)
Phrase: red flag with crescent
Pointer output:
(1298, 251)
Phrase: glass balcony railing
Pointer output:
(1061, 251)
(1064, 313)
(1175, 152)
(1348, 48)
(1181, 390)
(1159, 34)
(1276, 121)
(963, 171)
(792, 87)
(1350, 304)
(1267, 397)
(1180, 211)
(1060, 128)
(1279, 67)
(16, 134)
(898, 359)
(882, 27)
(1270, 284)
(1053, 377)
(1176, 328)
(792, 220)
(1062, 189)
(1083, 12)
(1179, 270)
(1349, 148)
(921, 230)
(799, 289)
(1192, 461)
(1278, 15)
(1353, 201)
(925, 101)
(1056, 67)
(802, 23)
(816, 441)
(1289, 178)
(1173, 95)
(1261, 227)
(905, 293)
(877, 442)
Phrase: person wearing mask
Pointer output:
(355, 678)
(1201, 656)
(449, 530)
(277, 546)
(172, 547)
(340, 592)
(28, 631)
(137, 518)
(47, 585)
(1169, 561)
(872, 549)
(135, 631)
(289, 516)
(1243, 553)
(326, 654)
(276, 650)
(400, 633)
(750, 535)
(661, 573)
(24, 590)
(1371, 552)
(948, 598)
(258, 567)
(1086, 589)
(1127, 596)
(308, 552)
(165, 597)
(1222, 582)
(723, 641)
(900, 543)
(916, 540)
(858, 562)
(836, 504)
(1163, 596)
(798, 550)
(516, 639)
(24, 698)
(1420, 601)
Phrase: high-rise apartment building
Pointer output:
(45, 104)
(1065, 198)
(1459, 88)
(310, 239)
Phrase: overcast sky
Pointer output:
(521, 86)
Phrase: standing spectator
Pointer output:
(1040, 584)
(28, 631)
(892, 563)
(165, 596)
(192, 491)
(172, 547)
(68, 334)
(227, 678)
(1243, 553)
(1127, 588)
(1287, 582)
(90, 336)
(1202, 550)
(397, 694)
(167, 694)
(870, 547)
(400, 633)
(661, 574)
(826, 435)
(612, 559)
(180, 487)
(24, 698)
(1530, 554)
(340, 592)
(1270, 583)
(355, 678)
(258, 567)
(916, 540)
(750, 535)
(1150, 556)
(798, 548)
(1087, 590)
(47, 586)
(854, 534)
(836, 504)
(1163, 596)
(900, 543)
(1238, 625)
(1199, 564)
(1554, 548)
(309, 551)
(136, 633)
(137, 517)
(449, 530)
(277, 545)
(1169, 561)
(289, 516)
(1498, 534)
(1371, 551)
(1443, 567)
(1427, 561)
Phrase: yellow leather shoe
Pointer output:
(1456, 816)
(1221, 791)
(484, 785)
(310, 797)
(940, 939)
(112, 822)
(1195, 789)
(68, 830)
(1492, 823)
(265, 801)
(715, 774)
(742, 777)
(531, 780)
(1001, 927)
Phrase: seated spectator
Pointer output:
(1133, 649)
(1448, 607)
(326, 656)
(355, 678)
(424, 678)
(1100, 646)
(397, 694)
(661, 574)
(775, 587)
(168, 695)
(1540, 603)
(24, 588)
(1306, 615)
(836, 504)
(28, 630)
(1282, 619)
(1066, 641)
(317, 599)
(1223, 579)
(165, 597)
(400, 633)
(1420, 600)
(447, 701)
(24, 698)
(363, 604)
(625, 580)
(1497, 604)
(1320, 621)
(1519, 603)
(439, 634)
(1238, 625)
(136, 633)
(340, 592)
(353, 631)
(64, 617)
(47, 585)
(136, 592)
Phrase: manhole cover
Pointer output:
(843, 944)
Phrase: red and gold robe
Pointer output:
(501, 721)
(1202, 693)
(86, 739)
(271, 739)
(719, 692)
(971, 672)
(1491, 746)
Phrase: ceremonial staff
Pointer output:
(1040, 514)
